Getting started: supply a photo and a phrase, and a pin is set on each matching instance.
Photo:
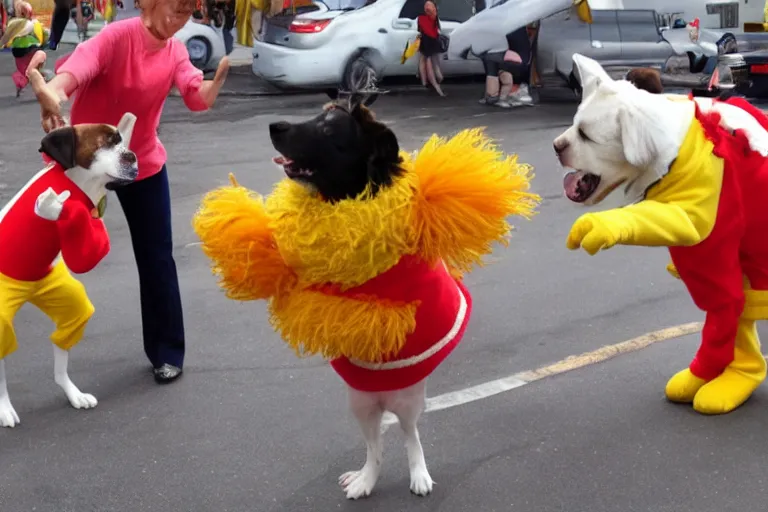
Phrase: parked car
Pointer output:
(204, 43)
(342, 48)
(620, 39)
(326, 49)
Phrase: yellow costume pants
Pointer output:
(59, 295)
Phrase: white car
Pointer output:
(204, 43)
(352, 42)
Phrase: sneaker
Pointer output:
(503, 104)
(522, 95)
(489, 100)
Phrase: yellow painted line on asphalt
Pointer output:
(517, 380)
(610, 351)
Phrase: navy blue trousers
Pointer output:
(147, 208)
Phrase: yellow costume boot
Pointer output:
(737, 382)
(684, 385)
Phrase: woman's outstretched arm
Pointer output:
(198, 94)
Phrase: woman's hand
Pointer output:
(209, 91)
(50, 101)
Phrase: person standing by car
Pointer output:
(507, 71)
(131, 66)
(429, 47)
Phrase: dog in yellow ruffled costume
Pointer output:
(360, 254)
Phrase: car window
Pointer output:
(729, 13)
(638, 26)
(344, 5)
(455, 10)
(605, 26)
(448, 10)
(412, 9)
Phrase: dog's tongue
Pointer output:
(281, 160)
(580, 185)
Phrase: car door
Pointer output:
(604, 37)
(452, 14)
(403, 30)
(641, 42)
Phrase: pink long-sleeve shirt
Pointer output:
(126, 69)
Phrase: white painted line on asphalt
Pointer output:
(495, 387)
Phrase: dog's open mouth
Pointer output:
(292, 170)
(580, 185)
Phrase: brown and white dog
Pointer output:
(53, 225)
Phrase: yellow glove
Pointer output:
(647, 223)
(593, 233)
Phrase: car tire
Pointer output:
(359, 75)
(200, 51)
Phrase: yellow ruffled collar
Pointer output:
(348, 242)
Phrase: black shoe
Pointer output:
(167, 374)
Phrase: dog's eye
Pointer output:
(583, 135)
(327, 130)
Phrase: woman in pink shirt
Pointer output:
(131, 66)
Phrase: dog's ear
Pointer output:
(355, 101)
(125, 127)
(638, 141)
(590, 73)
(385, 155)
(61, 145)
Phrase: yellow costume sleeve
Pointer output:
(680, 210)
(233, 227)
(466, 190)
(313, 322)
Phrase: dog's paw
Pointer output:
(357, 484)
(83, 401)
(8, 416)
(421, 482)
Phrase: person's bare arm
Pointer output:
(209, 90)
(52, 94)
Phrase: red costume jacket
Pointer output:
(30, 243)
(441, 319)
(714, 269)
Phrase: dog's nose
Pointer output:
(560, 146)
(278, 128)
(128, 158)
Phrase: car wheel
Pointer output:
(199, 51)
(359, 76)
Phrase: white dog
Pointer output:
(624, 136)
(696, 173)
(53, 225)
